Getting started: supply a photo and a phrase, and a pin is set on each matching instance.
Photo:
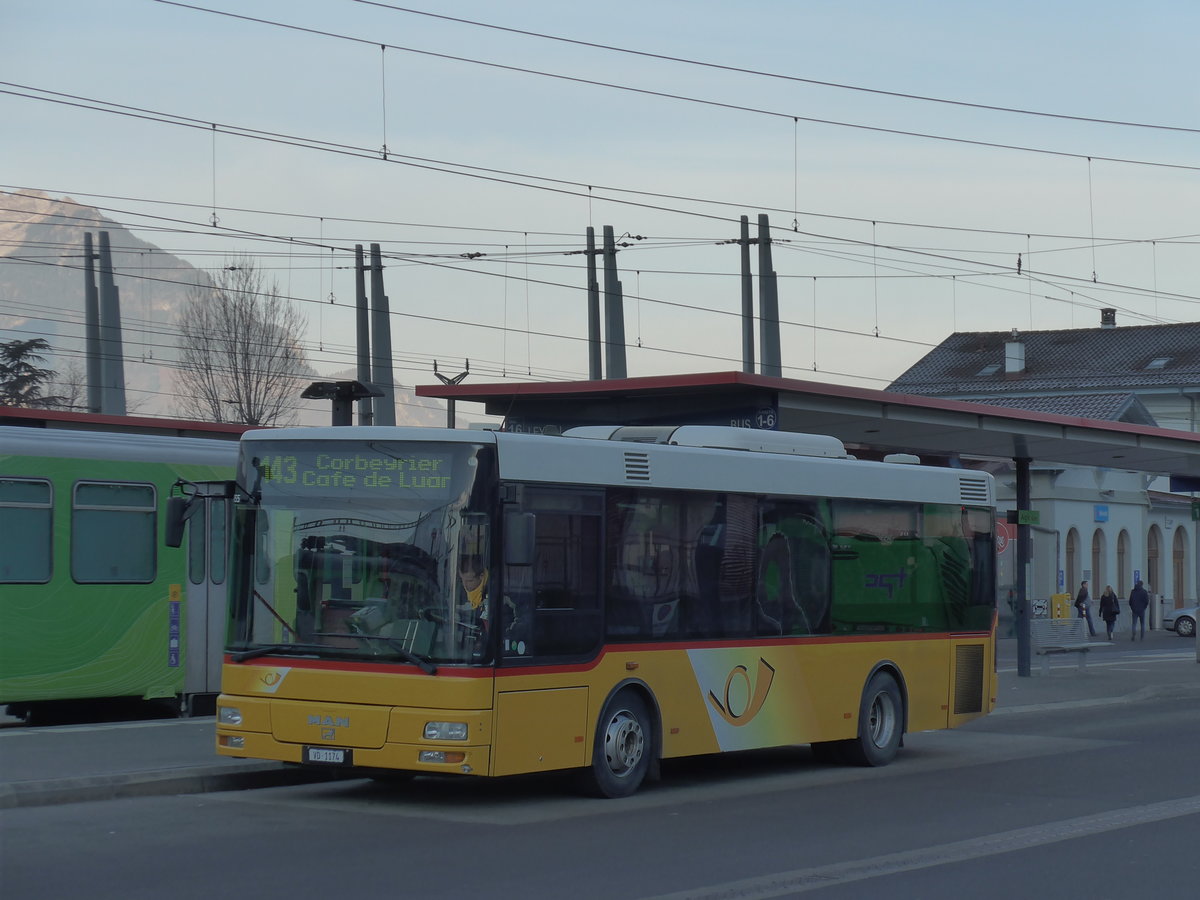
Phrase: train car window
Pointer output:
(218, 540)
(26, 507)
(113, 528)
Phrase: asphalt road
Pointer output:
(1068, 800)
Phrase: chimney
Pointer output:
(1014, 355)
(1108, 318)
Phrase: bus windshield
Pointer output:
(363, 550)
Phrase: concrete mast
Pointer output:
(381, 344)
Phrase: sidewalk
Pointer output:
(1162, 665)
(73, 763)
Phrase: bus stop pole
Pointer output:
(1024, 499)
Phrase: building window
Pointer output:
(1153, 561)
(1099, 570)
(1179, 567)
(26, 508)
(113, 527)
(1072, 561)
(1123, 580)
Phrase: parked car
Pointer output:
(1181, 621)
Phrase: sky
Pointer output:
(896, 220)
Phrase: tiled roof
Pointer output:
(970, 365)
(1106, 407)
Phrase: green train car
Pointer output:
(93, 605)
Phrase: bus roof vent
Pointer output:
(904, 459)
(644, 434)
(973, 490)
(719, 437)
(597, 432)
(787, 442)
(637, 466)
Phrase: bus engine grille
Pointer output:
(968, 679)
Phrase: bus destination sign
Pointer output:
(420, 472)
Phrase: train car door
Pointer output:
(204, 616)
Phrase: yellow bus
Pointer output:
(414, 601)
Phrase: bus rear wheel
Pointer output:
(623, 747)
(880, 723)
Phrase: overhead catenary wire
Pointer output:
(667, 95)
(688, 306)
(403, 258)
(774, 75)
(934, 226)
(318, 246)
(657, 301)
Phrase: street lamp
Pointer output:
(343, 394)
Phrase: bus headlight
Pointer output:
(229, 715)
(445, 731)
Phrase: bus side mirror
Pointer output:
(520, 533)
(177, 510)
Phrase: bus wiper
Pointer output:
(268, 649)
(425, 665)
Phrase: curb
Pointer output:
(198, 780)
(1152, 692)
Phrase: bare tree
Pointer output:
(70, 387)
(240, 355)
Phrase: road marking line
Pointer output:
(802, 880)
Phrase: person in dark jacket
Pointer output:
(1139, 600)
(1083, 603)
(1110, 608)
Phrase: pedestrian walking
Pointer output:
(1083, 603)
(1138, 601)
(1110, 608)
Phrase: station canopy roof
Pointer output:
(859, 417)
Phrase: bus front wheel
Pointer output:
(623, 747)
(880, 723)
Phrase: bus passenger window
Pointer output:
(552, 608)
(793, 587)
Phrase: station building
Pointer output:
(1106, 524)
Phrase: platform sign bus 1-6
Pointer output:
(415, 600)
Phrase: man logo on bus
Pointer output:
(756, 692)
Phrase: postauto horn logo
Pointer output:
(756, 691)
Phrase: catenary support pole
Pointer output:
(614, 311)
(91, 319)
(768, 301)
(381, 344)
(747, 299)
(112, 351)
(366, 409)
(595, 341)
